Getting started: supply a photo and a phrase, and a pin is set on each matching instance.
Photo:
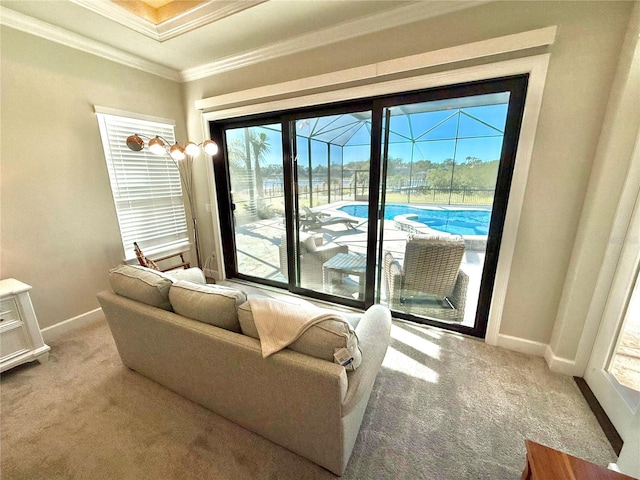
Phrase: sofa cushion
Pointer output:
(142, 284)
(322, 340)
(213, 304)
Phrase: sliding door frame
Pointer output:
(224, 108)
(517, 87)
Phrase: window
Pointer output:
(146, 188)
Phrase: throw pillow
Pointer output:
(307, 242)
(142, 284)
(213, 304)
(324, 340)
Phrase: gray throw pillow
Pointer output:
(142, 284)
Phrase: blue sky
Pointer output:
(478, 128)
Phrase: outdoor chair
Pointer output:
(145, 261)
(431, 282)
(314, 220)
(312, 254)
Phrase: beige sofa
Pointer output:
(311, 406)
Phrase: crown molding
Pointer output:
(32, 26)
(338, 33)
(344, 31)
(191, 19)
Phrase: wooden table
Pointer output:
(544, 463)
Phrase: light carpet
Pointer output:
(444, 406)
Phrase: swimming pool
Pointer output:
(455, 221)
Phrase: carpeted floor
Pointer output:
(444, 407)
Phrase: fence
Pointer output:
(321, 195)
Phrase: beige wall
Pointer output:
(583, 63)
(59, 231)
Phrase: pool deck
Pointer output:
(258, 248)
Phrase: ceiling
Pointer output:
(186, 40)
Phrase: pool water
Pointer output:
(454, 221)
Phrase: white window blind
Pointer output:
(146, 188)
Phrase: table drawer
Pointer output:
(13, 341)
(8, 310)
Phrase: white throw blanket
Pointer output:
(279, 323)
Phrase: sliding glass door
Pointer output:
(442, 160)
(397, 200)
(255, 195)
(332, 165)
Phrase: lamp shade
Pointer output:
(157, 146)
(177, 152)
(192, 149)
(135, 143)
(210, 147)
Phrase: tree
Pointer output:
(246, 156)
(259, 147)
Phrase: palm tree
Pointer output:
(260, 147)
(246, 156)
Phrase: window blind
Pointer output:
(146, 188)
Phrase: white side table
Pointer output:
(20, 337)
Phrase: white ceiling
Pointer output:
(219, 35)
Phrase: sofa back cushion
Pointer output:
(213, 304)
(321, 340)
(142, 284)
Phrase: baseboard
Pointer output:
(59, 329)
(561, 364)
(521, 345)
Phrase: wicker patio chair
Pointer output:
(312, 254)
(431, 282)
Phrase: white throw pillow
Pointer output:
(308, 242)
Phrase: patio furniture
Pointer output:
(312, 255)
(335, 269)
(314, 220)
(145, 261)
(430, 283)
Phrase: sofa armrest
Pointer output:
(374, 332)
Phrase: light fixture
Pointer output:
(210, 147)
(177, 152)
(159, 145)
(182, 157)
